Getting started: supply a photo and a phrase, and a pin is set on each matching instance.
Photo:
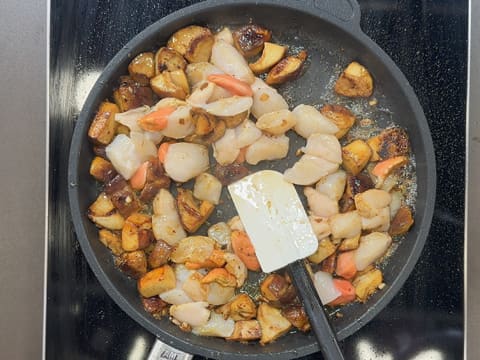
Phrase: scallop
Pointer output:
(166, 223)
(372, 247)
(129, 118)
(226, 57)
(194, 313)
(368, 203)
(320, 204)
(225, 35)
(309, 169)
(246, 134)
(201, 94)
(184, 161)
(320, 226)
(229, 106)
(225, 150)
(146, 148)
(311, 121)
(326, 290)
(267, 148)
(346, 225)
(332, 185)
(325, 146)
(199, 72)
(179, 124)
(216, 326)
(218, 294)
(123, 155)
(380, 222)
(266, 99)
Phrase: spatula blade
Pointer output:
(274, 219)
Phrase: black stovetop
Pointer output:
(428, 41)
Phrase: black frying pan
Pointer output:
(330, 31)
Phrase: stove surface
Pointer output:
(427, 40)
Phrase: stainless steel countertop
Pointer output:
(23, 66)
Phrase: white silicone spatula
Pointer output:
(277, 224)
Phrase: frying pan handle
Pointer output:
(162, 351)
(316, 314)
(346, 11)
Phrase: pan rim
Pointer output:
(144, 319)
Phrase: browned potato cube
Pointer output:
(159, 254)
(157, 281)
(103, 213)
(192, 212)
(179, 78)
(402, 221)
(356, 156)
(355, 81)
(193, 42)
(133, 93)
(133, 264)
(102, 129)
(271, 55)
(287, 69)
(367, 283)
(249, 39)
(242, 307)
(324, 250)
(155, 306)
(168, 59)
(350, 243)
(328, 265)
(297, 317)
(122, 196)
(142, 64)
(137, 232)
(272, 323)
(164, 86)
(354, 185)
(276, 290)
(389, 143)
(102, 170)
(341, 116)
(111, 240)
(246, 330)
(234, 120)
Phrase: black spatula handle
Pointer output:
(316, 314)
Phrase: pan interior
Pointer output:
(330, 48)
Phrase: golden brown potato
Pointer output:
(193, 42)
(155, 306)
(356, 156)
(249, 39)
(324, 250)
(328, 265)
(102, 170)
(159, 255)
(209, 138)
(133, 92)
(168, 59)
(179, 78)
(102, 129)
(122, 196)
(192, 212)
(194, 249)
(297, 317)
(341, 116)
(272, 323)
(367, 283)
(287, 69)
(402, 221)
(142, 64)
(156, 281)
(137, 232)
(133, 263)
(350, 243)
(271, 55)
(164, 86)
(389, 143)
(355, 81)
(354, 185)
(276, 290)
(234, 120)
(111, 240)
(103, 213)
(241, 307)
(246, 330)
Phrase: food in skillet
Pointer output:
(197, 115)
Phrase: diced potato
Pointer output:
(155, 306)
(356, 156)
(355, 81)
(164, 86)
(272, 323)
(246, 330)
(272, 54)
(287, 69)
(132, 94)
(193, 42)
(349, 243)
(207, 187)
(276, 290)
(137, 232)
(179, 78)
(122, 196)
(103, 213)
(168, 59)
(297, 316)
(324, 250)
(192, 213)
(159, 255)
(133, 263)
(389, 143)
(234, 120)
(241, 307)
(142, 64)
(102, 129)
(367, 283)
(402, 221)
(249, 39)
(111, 240)
(101, 169)
(328, 265)
(354, 185)
(157, 281)
(341, 116)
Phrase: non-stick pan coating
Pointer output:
(331, 44)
